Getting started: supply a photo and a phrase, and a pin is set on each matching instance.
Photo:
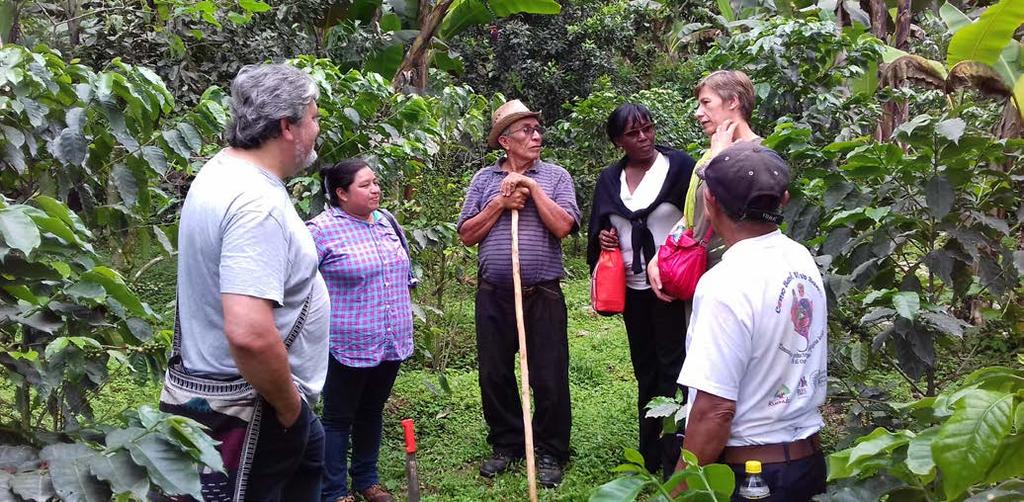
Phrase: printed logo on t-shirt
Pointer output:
(781, 396)
(801, 387)
(801, 314)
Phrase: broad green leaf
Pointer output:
(386, 61)
(191, 136)
(7, 12)
(465, 13)
(967, 443)
(57, 209)
(156, 159)
(1018, 96)
(953, 17)
(984, 39)
(939, 196)
(115, 286)
(1009, 460)
(127, 185)
(164, 241)
(690, 458)
(352, 115)
(122, 473)
(18, 458)
(619, 490)
(945, 323)
(21, 292)
(256, 6)
(87, 289)
(634, 456)
(15, 157)
(725, 8)
(1018, 419)
(140, 329)
(170, 468)
(907, 304)
(18, 230)
(70, 472)
(720, 478)
(839, 466)
(919, 453)
(951, 129)
(859, 355)
(177, 144)
(877, 213)
(879, 441)
(56, 227)
(33, 485)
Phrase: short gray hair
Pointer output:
(262, 95)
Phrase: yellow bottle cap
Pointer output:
(753, 467)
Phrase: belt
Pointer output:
(553, 286)
(773, 453)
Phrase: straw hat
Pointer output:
(505, 116)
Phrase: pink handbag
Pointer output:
(608, 284)
(681, 262)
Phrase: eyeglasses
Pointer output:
(526, 130)
(647, 130)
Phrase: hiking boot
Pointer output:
(549, 471)
(376, 493)
(497, 464)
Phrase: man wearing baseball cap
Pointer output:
(544, 195)
(756, 345)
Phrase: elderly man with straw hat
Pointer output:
(544, 195)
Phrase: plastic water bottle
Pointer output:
(753, 487)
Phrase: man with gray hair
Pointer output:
(251, 302)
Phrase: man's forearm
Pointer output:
(708, 427)
(476, 228)
(557, 220)
(258, 352)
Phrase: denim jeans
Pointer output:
(353, 403)
(288, 463)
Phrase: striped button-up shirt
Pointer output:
(540, 252)
(367, 272)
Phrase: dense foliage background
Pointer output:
(902, 121)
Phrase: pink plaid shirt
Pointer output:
(367, 273)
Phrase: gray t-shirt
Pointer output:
(240, 234)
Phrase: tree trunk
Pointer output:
(879, 19)
(902, 25)
(413, 71)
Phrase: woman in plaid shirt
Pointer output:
(366, 269)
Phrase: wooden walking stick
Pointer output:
(524, 368)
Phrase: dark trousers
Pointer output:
(547, 348)
(793, 481)
(353, 406)
(288, 463)
(657, 346)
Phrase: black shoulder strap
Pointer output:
(398, 230)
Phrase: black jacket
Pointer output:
(607, 202)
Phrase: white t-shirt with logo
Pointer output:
(757, 336)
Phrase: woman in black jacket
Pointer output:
(636, 203)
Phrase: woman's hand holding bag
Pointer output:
(608, 283)
(681, 262)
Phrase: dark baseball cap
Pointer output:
(749, 181)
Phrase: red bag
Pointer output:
(608, 284)
(681, 262)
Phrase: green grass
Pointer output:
(451, 430)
